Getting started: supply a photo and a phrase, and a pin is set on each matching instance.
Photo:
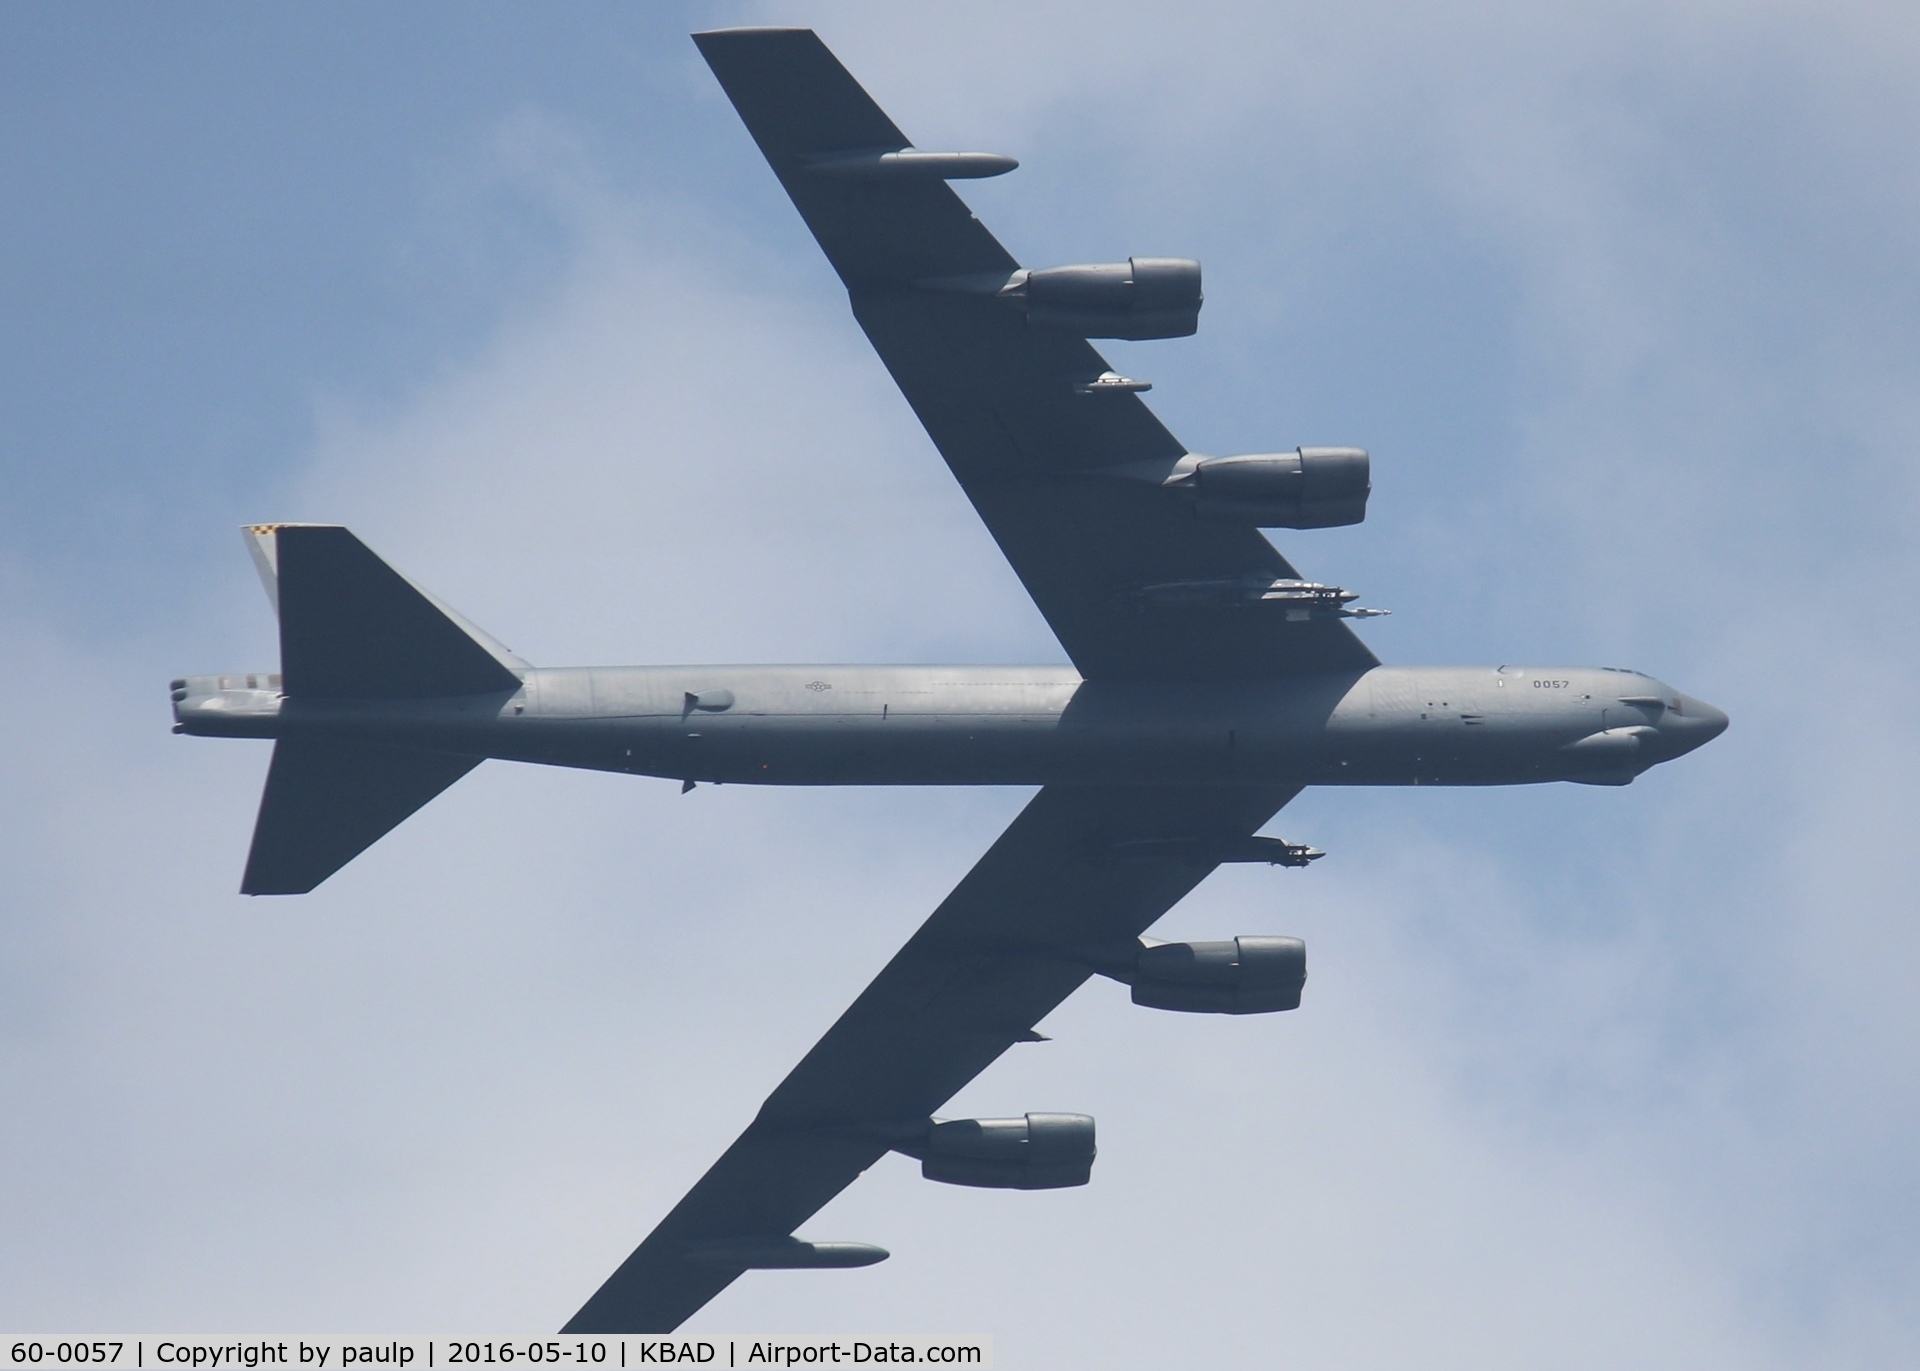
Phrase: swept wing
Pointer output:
(1037, 457)
(1082, 868)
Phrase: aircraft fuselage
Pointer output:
(974, 725)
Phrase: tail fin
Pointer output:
(326, 802)
(353, 628)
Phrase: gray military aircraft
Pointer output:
(1210, 684)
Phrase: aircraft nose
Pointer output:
(1692, 724)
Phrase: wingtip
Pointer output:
(704, 36)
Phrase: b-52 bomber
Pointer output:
(1210, 683)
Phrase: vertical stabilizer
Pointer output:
(326, 802)
(264, 548)
(351, 627)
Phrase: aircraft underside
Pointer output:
(1210, 682)
(1019, 725)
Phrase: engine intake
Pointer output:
(1032, 1152)
(1142, 297)
(1243, 976)
(1310, 487)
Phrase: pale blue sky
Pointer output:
(1621, 299)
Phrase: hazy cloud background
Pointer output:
(1622, 300)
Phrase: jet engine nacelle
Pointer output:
(1142, 297)
(1243, 976)
(1032, 1152)
(1310, 487)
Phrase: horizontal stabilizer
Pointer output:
(327, 801)
(351, 627)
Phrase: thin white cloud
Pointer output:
(1583, 1078)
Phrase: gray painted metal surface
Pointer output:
(1210, 684)
(973, 725)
